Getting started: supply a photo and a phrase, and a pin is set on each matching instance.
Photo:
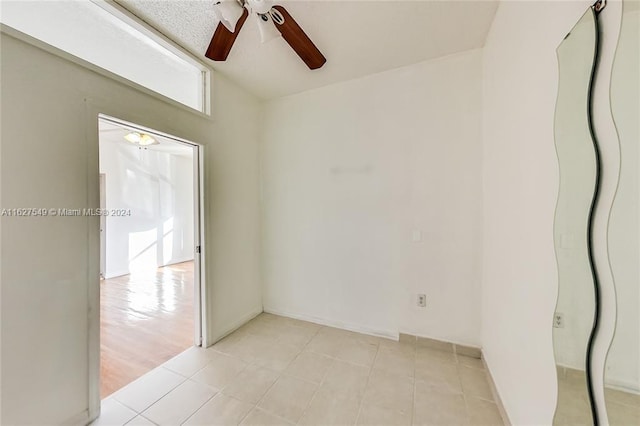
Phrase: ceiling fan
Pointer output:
(272, 21)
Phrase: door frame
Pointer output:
(200, 337)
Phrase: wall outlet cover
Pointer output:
(558, 320)
(422, 300)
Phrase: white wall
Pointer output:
(50, 265)
(232, 206)
(520, 186)
(157, 188)
(351, 171)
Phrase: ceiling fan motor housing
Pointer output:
(260, 6)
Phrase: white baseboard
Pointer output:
(622, 385)
(441, 339)
(336, 324)
(496, 395)
(228, 329)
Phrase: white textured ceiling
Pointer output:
(357, 38)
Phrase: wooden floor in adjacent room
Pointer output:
(146, 318)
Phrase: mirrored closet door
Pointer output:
(575, 310)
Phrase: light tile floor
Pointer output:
(280, 371)
(573, 409)
(623, 408)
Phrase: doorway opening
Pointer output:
(151, 298)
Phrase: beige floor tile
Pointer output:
(437, 408)
(573, 406)
(297, 335)
(578, 377)
(399, 347)
(299, 372)
(266, 316)
(573, 390)
(179, 404)
(251, 385)
(220, 410)
(146, 390)
(625, 398)
(469, 351)
(336, 332)
(390, 391)
(308, 324)
(395, 362)
(288, 398)
(367, 338)
(429, 354)
(190, 361)
(261, 326)
(623, 415)
(250, 346)
(309, 366)
(279, 319)
(425, 342)
(113, 413)
(483, 413)
(331, 409)
(470, 362)
(326, 343)
(563, 418)
(345, 378)
(428, 387)
(371, 415)
(560, 419)
(220, 371)
(358, 352)
(439, 375)
(408, 339)
(258, 417)
(276, 356)
(140, 421)
(228, 344)
(475, 382)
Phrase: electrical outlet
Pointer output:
(558, 320)
(422, 300)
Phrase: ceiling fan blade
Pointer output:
(223, 40)
(298, 40)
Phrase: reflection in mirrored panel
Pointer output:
(622, 371)
(575, 308)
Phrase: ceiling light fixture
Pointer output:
(141, 139)
(133, 137)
